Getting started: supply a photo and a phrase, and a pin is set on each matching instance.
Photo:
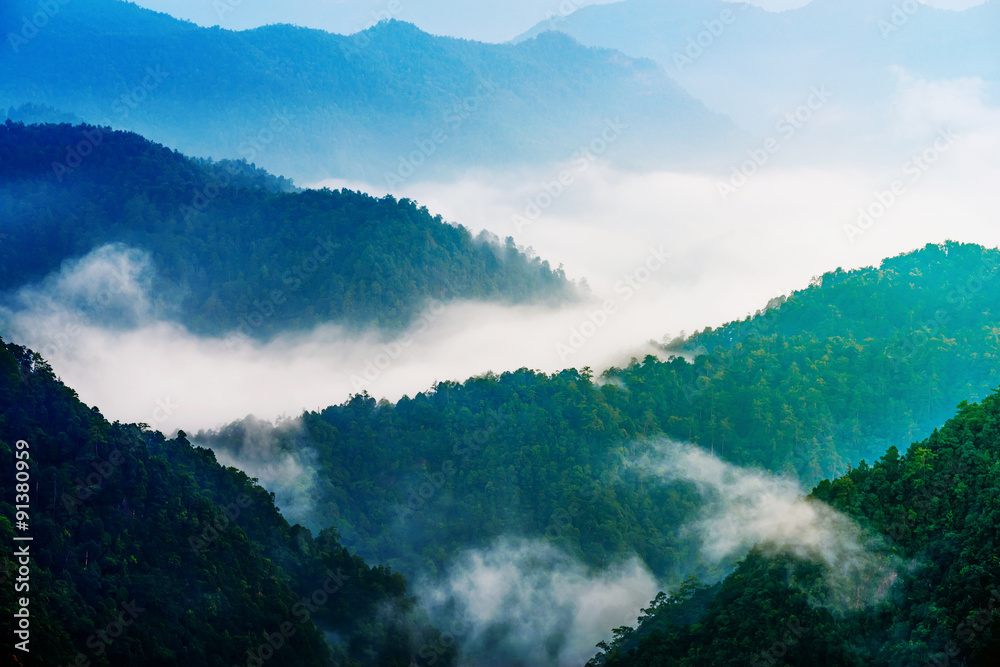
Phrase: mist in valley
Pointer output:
(659, 253)
(655, 253)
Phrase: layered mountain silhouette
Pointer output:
(388, 105)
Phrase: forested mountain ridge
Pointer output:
(386, 105)
(193, 558)
(936, 506)
(226, 237)
(915, 335)
(540, 455)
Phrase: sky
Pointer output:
(482, 21)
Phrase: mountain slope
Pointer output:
(837, 372)
(234, 249)
(937, 506)
(389, 104)
(193, 558)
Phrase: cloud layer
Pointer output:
(744, 508)
(525, 602)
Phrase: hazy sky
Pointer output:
(484, 21)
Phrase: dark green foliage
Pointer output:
(538, 454)
(937, 505)
(857, 363)
(120, 515)
(234, 245)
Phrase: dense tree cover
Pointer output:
(411, 484)
(937, 507)
(236, 249)
(858, 362)
(829, 375)
(196, 556)
(387, 104)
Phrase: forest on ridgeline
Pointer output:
(937, 508)
(231, 244)
(856, 363)
(196, 556)
(535, 454)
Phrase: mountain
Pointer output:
(145, 551)
(388, 104)
(858, 362)
(936, 509)
(227, 247)
(750, 63)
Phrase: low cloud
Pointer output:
(744, 508)
(525, 602)
(110, 286)
(278, 455)
(724, 260)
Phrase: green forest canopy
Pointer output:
(237, 249)
(124, 520)
(937, 508)
(857, 363)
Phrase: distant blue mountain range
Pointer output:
(388, 104)
(744, 61)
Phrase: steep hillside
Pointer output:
(234, 249)
(936, 507)
(843, 370)
(193, 559)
